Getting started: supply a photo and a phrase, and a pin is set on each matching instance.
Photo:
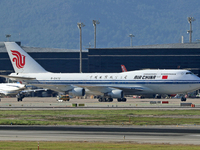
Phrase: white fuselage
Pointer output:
(132, 82)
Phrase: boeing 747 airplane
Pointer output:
(108, 85)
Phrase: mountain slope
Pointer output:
(48, 23)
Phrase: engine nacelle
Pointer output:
(77, 91)
(116, 94)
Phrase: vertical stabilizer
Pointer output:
(21, 61)
(123, 68)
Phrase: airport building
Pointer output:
(165, 56)
(52, 59)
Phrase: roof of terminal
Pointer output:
(39, 49)
(175, 45)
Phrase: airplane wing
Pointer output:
(5, 93)
(99, 90)
(35, 90)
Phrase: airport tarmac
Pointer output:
(52, 103)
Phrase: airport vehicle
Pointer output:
(108, 85)
(63, 98)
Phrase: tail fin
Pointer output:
(21, 61)
(123, 68)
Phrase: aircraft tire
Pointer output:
(104, 100)
(142, 97)
(119, 99)
(110, 99)
(100, 99)
(123, 99)
(158, 96)
(183, 99)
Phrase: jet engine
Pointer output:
(77, 91)
(116, 94)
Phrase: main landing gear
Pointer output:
(121, 99)
(103, 99)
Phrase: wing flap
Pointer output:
(103, 89)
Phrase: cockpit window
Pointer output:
(189, 73)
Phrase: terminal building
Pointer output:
(52, 59)
(165, 56)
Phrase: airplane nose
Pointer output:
(23, 86)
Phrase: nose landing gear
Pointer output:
(20, 96)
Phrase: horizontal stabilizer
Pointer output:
(16, 77)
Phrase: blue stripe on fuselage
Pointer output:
(68, 82)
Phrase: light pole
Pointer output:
(190, 19)
(8, 36)
(131, 35)
(95, 22)
(80, 25)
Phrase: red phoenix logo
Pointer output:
(18, 59)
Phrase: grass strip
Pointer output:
(99, 117)
(24, 145)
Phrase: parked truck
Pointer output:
(63, 98)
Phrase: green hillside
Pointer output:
(50, 23)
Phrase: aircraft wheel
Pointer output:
(123, 99)
(104, 100)
(19, 99)
(142, 97)
(183, 99)
(158, 96)
(110, 99)
(100, 99)
(119, 99)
